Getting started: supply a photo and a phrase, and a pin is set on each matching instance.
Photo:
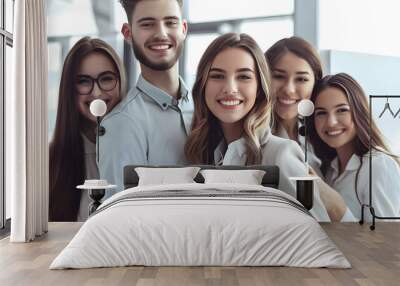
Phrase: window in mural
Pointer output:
(6, 44)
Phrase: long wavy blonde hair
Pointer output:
(206, 132)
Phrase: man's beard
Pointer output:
(144, 60)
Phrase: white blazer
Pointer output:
(385, 184)
(284, 153)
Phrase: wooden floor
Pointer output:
(374, 255)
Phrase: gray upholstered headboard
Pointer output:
(270, 179)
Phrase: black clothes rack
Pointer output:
(370, 205)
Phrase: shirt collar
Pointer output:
(265, 137)
(219, 153)
(163, 99)
(230, 154)
(352, 164)
(281, 132)
(236, 150)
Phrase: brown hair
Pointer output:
(67, 166)
(130, 5)
(360, 114)
(206, 132)
(300, 48)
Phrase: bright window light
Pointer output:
(211, 10)
(266, 33)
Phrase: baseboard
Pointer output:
(5, 231)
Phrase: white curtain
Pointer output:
(26, 124)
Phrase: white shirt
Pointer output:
(312, 159)
(385, 184)
(314, 162)
(284, 153)
(91, 172)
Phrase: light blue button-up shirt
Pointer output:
(148, 127)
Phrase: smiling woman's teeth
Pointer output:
(334, 133)
(230, 102)
(287, 101)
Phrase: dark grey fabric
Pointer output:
(206, 194)
(270, 179)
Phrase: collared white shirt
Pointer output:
(312, 161)
(385, 184)
(148, 127)
(284, 153)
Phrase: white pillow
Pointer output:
(248, 177)
(163, 176)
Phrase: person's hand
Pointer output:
(311, 171)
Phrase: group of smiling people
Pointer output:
(244, 113)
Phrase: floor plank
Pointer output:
(374, 255)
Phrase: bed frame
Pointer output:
(270, 179)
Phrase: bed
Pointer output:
(201, 224)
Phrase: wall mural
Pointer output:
(241, 109)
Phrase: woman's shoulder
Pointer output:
(382, 163)
(379, 157)
(277, 147)
(280, 143)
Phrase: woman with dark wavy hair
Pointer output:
(232, 109)
(296, 67)
(91, 70)
(339, 132)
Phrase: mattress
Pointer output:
(201, 225)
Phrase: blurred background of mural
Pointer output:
(354, 36)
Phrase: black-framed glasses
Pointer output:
(106, 81)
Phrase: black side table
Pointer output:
(96, 191)
(305, 190)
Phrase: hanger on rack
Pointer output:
(397, 113)
(387, 107)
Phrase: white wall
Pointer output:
(366, 26)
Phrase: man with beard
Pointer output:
(148, 126)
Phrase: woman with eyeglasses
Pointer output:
(92, 70)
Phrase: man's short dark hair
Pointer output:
(129, 6)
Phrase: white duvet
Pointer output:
(232, 229)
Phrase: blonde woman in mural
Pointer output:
(232, 109)
(339, 132)
(91, 70)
